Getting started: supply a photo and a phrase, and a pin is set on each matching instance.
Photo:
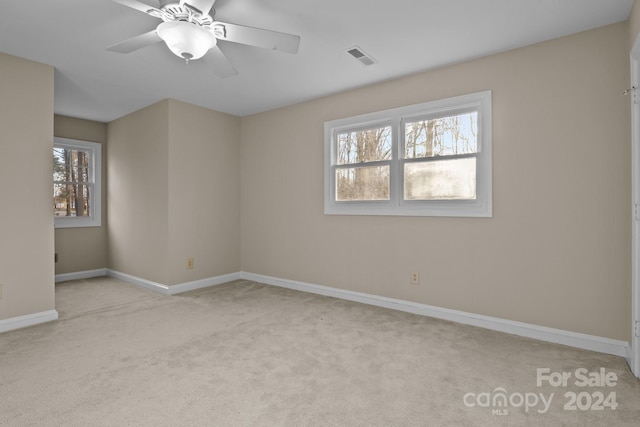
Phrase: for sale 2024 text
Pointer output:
(588, 400)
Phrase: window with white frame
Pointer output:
(430, 159)
(76, 183)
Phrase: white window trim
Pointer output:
(480, 207)
(94, 219)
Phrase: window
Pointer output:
(76, 183)
(431, 159)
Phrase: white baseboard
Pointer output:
(28, 320)
(203, 283)
(558, 336)
(138, 281)
(175, 289)
(87, 274)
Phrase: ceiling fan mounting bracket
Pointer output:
(174, 11)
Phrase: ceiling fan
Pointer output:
(190, 32)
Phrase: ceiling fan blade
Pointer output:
(256, 37)
(219, 62)
(138, 5)
(135, 43)
(203, 6)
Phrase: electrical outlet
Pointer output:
(189, 263)
(415, 278)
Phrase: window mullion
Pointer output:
(363, 164)
(440, 158)
(396, 167)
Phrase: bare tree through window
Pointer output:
(366, 153)
(71, 182)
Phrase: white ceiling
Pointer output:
(404, 36)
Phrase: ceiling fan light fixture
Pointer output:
(186, 40)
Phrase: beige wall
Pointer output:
(204, 192)
(81, 249)
(173, 173)
(26, 229)
(556, 252)
(138, 202)
(634, 23)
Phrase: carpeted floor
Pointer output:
(247, 354)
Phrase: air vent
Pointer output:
(361, 55)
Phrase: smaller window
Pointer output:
(76, 183)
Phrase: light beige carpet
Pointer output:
(247, 354)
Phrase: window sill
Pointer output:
(74, 222)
